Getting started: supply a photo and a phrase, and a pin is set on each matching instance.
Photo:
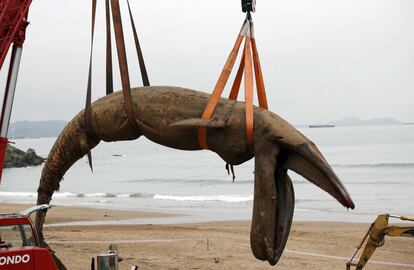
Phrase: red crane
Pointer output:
(25, 254)
(13, 23)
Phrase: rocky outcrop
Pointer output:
(16, 158)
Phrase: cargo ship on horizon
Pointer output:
(322, 126)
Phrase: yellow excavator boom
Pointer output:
(375, 238)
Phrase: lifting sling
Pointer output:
(249, 61)
(114, 8)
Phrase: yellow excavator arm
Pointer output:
(375, 238)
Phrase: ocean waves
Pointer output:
(206, 198)
(228, 198)
(77, 195)
(407, 165)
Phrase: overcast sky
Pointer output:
(322, 59)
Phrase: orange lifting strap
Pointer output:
(249, 59)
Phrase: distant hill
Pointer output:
(36, 129)
(354, 121)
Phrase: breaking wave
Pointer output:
(220, 198)
(76, 195)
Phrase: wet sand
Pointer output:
(218, 245)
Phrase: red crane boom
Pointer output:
(30, 256)
(13, 23)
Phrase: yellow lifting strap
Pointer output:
(249, 61)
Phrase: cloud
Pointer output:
(322, 60)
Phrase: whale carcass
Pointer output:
(170, 116)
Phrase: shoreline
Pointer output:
(209, 245)
(182, 214)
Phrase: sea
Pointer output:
(375, 163)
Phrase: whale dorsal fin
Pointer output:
(198, 122)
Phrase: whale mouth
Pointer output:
(273, 204)
(274, 198)
(272, 220)
(308, 161)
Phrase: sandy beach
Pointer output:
(218, 245)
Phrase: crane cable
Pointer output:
(114, 7)
(246, 66)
